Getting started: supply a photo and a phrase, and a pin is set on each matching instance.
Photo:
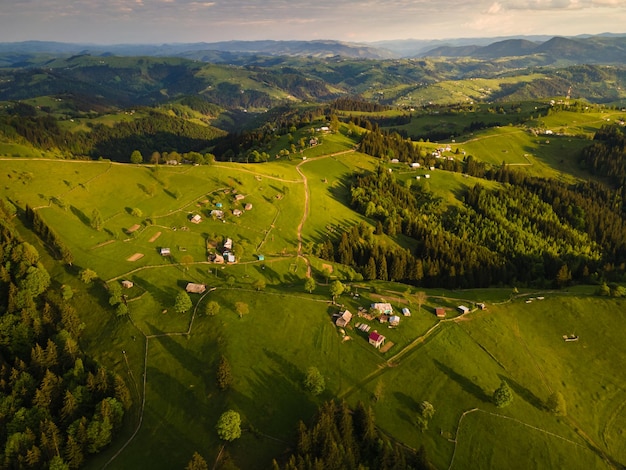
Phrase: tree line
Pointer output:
(155, 132)
(341, 438)
(530, 231)
(57, 405)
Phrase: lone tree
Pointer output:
(242, 309)
(212, 308)
(425, 413)
(503, 396)
(229, 426)
(88, 275)
(556, 404)
(259, 284)
(309, 284)
(96, 220)
(183, 302)
(336, 289)
(136, 157)
(314, 381)
(197, 462)
(224, 374)
(420, 299)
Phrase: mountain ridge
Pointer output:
(585, 48)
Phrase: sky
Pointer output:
(179, 21)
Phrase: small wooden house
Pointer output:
(440, 312)
(127, 284)
(376, 339)
(194, 288)
(344, 319)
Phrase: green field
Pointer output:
(169, 359)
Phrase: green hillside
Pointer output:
(492, 207)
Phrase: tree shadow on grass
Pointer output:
(162, 296)
(267, 272)
(524, 393)
(281, 380)
(184, 355)
(408, 404)
(81, 215)
(465, 383)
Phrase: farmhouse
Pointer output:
(406, 312)
(440, 312)
(344, 319)
(383, 308)
(194, 288)
(376, 339)
(237, 212)
(216, 258)
(228, 244)
(229, 257)
(165, 251)
(239, 197)
(394, 320)
(127, 284)
(196, 219)
(463, 309)
(248, 207)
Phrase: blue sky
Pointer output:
(171, 21)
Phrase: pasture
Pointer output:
(169, 359)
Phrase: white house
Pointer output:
(383, 308)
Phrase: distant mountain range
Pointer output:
(595, 49)
(605, 48)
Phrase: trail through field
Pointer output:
(145, 373)
(305, 214)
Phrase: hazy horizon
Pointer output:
(110, 22)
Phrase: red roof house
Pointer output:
(440, 312)
(376, 339)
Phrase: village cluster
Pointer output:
(382, 312)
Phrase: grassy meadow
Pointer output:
(169, 359)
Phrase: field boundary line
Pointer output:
(515, 420)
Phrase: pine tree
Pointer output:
(224, 374)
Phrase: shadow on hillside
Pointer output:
(524, 393)
(182, 397)
(281, 379)
(162, 296)
(408, 403)
(465, 383)
(185, 357)
(81, 215)
(265, 271)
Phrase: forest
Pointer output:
(57, 405)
